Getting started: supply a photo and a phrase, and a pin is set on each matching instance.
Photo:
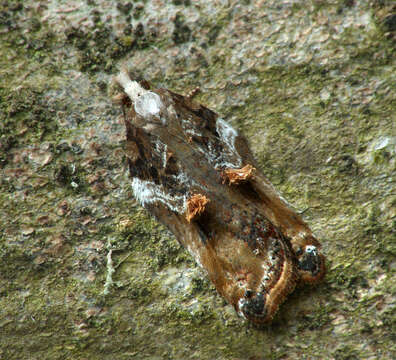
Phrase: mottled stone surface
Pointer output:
(311, 84)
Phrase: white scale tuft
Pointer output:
(311, 249)
(147, 103)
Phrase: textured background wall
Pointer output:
(310, 83)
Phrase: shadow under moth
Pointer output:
(195, 173)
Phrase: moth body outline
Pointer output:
(195, 173)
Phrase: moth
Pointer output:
(196, 174)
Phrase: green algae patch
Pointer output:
(311, 86)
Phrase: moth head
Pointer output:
(147, 105)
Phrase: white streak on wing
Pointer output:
(161, 150)
(165, 156)
(146, 192)
(228, 135)
(226, 132)
(182, 178)
(209, 155)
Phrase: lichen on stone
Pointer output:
(311, 84)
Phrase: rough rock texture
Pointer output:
(85, 273)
